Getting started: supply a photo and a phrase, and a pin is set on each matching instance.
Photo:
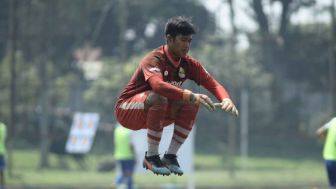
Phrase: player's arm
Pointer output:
(171, 92)
(322, 131)
(153, 75)
(202, 77)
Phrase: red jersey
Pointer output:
(168, 76)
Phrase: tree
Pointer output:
(144, 24)
(279, 50)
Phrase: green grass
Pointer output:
(211, 171)
(261, 172)
(26, 172)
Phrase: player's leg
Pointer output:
(128, 173)
(131, 112)
(146, 110)
(2, 185)
(2, 172)
(118, 181)
(184, 115)
(155, 108)
(331, 172)
(120, 175)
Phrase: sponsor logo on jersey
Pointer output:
(181, 73)
(154, 69)
(175, 83)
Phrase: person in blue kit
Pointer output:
(328, 133)
(124, 153)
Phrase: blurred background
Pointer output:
(277, 58)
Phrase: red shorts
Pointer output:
(132, 115)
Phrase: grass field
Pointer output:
(211, 173)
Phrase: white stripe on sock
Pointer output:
(178, 138)
(154, 133)
(153, 145)
(181, 130)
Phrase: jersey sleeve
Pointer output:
(165, 89)
(202, 77)
(326, 126)
(150, 67)
(329, 124)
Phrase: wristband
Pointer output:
(186, 95)
(197, 99)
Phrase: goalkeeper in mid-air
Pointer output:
(154, 98)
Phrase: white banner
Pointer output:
(82, 133)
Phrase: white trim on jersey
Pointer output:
(132, 105)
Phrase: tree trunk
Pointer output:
(261, 17)
(284, 18)
(12, 51)
(44, 117)
(232, 122)
(45, 55)
(123, 14)
(232, 146)
(332, 69)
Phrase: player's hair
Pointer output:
(179, 25)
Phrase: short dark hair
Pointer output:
(179, 25)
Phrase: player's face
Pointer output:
(180, 45)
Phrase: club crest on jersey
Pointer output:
(165, 73)
(154, 69)
(181, 73)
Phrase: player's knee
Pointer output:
(184, 108)
(191, 110)
(155, 98)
